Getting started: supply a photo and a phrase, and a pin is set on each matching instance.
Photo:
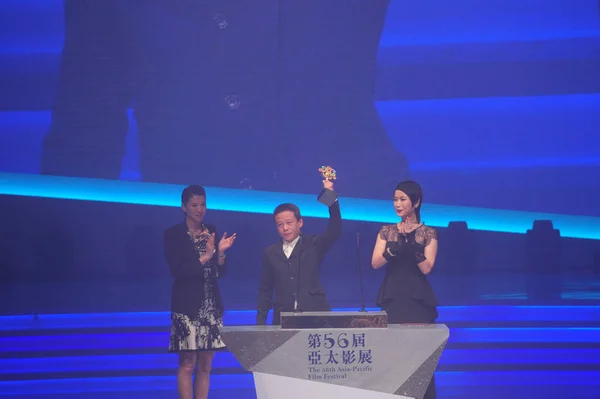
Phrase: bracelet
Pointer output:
(387, 254)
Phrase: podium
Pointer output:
(365, 358)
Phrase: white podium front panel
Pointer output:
(398, 360)
(270, 386)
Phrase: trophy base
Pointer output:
(327, 197)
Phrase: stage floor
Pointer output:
(494, 351)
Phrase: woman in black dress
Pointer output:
(196, 305)
(409, 249)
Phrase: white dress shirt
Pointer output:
(288, 247)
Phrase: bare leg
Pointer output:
(185, 371)
(202, 381)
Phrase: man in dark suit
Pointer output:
(291, 266)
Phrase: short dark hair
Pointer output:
(287, 207)
(415, 193)
(190, 191)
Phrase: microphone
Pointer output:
(296, 307)
(360, 277)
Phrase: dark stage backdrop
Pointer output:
(487, 104)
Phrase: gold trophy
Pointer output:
(327, 197)
(328, 173)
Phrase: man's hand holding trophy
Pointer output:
(328, 195)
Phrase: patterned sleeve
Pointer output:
(385, 233)
(430, 234)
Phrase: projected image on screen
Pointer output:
(231, 94)
(258, 95)
(496, 104)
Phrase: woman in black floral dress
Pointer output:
(196, 305)
(409, 249)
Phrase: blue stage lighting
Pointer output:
(226, 199)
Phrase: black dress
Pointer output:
(196, 308)
(405, 294)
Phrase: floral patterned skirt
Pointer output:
(201, 333)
